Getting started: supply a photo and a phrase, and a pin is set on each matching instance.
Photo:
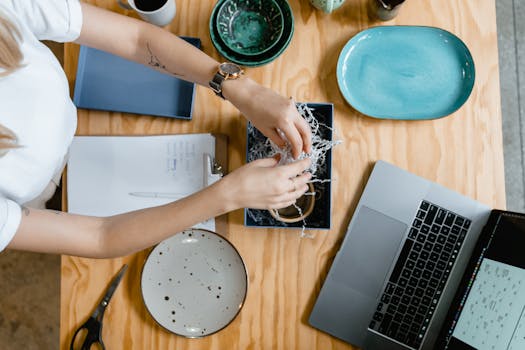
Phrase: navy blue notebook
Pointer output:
(111, 83)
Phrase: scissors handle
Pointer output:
(93, 325)
(93, 335)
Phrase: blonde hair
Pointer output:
(10, 60)
(7, 139)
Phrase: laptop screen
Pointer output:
(489, 308)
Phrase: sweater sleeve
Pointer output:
(57, 20)
(10, 216)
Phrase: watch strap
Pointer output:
(216, 84)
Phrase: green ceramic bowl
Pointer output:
(249, 27)
(262, 58)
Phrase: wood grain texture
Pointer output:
(463, 152)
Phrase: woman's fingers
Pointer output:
(289, 198)
(288, 180)
(294, 138)
(296, 168)
(306, 134)
(264, 184)
(265, 162)
(276, 138)
(299, 182)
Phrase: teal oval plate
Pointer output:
(405, 72)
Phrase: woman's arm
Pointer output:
(259, 184)
(150, 45)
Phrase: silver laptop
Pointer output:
(403, 276)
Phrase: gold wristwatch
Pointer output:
(226, 71)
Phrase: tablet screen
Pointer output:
(489, 312)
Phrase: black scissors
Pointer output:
(93, 325)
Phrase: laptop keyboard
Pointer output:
(420, 274)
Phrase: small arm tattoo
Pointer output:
(155, 63)
(27, 211)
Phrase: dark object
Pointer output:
(420, 274)
(384, 9)
(93, 325)
(226, 71)
(502, 240)
(111, 83)
(149, 5)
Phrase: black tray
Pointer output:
(321, 215)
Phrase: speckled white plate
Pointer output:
(194, 283)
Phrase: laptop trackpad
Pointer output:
(370, 249)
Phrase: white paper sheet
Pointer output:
(103, 171)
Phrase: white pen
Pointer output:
(158, 194)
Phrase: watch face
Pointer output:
(230, 68)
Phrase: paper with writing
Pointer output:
(104, 170)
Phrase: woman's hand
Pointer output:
(270, 113)
(262, 184)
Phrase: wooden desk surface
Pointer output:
(463, 152)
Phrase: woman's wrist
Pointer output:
(238, 91)
(223, 195)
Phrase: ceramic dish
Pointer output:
(255, 60)
(194, 283)
(405, 72)
(249, 27)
